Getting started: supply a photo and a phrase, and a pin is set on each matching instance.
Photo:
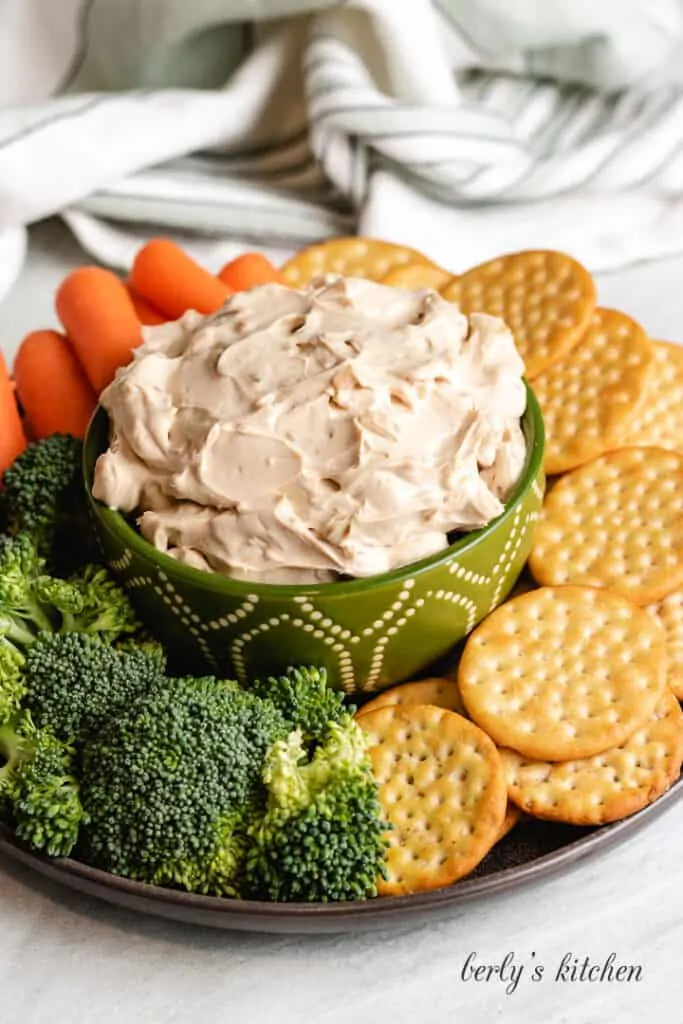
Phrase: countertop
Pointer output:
(71, 959)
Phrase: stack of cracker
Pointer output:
(612, 403)
(561, 709)
(564, 702)
(571, 684)
(441, 781)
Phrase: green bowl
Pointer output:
(368, 633)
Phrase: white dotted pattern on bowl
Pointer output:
(320, 625)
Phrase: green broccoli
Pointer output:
(75, 681)
(32, 601)
(187, 782)
(22, 611)
(38, 785)
(153, 650)
(322, 837)
(12, 686)
(101, 606)
(44, 496)
(172, 781)
(305, 698)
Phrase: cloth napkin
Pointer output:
(462, 127)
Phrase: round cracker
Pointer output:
(441, 692)
(609, 786)
(658, 420)
(545, 297)
(563, 672)
(352, 257)
(418, 275)
(669, 612)
(588, 398)
(615, 522)
(441, 786)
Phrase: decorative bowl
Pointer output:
(368, 633)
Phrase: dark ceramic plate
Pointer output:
(533, 850)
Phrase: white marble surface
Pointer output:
(70, 959)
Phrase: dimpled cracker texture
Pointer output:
(563, 672)
(545, 297)
(616, 522)
(658, 420)
(414, 276)
(442, 788)
(609, 786)
(352, 257)
(588, 398)
(442, 693)
(669, 612)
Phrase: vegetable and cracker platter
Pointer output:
(317, 641)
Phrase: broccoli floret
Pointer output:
(305, 698)
(152, 649)
(12, 687)
(103, 607)
(38, 784)
(171, 782)
(322, 837)
(32, 601)
(74, 681)
(44, 496)
(89, 602)
(22, 612)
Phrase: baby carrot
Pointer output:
(248, 271)
(171, 280)
(147, 314)
(98, 316)
(12, 437)
(52, 386)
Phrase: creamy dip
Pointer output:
(294, 436)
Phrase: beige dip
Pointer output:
(297, 435)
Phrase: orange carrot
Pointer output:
(52, 386)
(147, 314)
(100, 320)
(248, 271)
(12, 437)
(171, 280)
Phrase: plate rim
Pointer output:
(250, 914)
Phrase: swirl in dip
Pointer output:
(295, 436)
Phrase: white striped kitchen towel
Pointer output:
(436, 123)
